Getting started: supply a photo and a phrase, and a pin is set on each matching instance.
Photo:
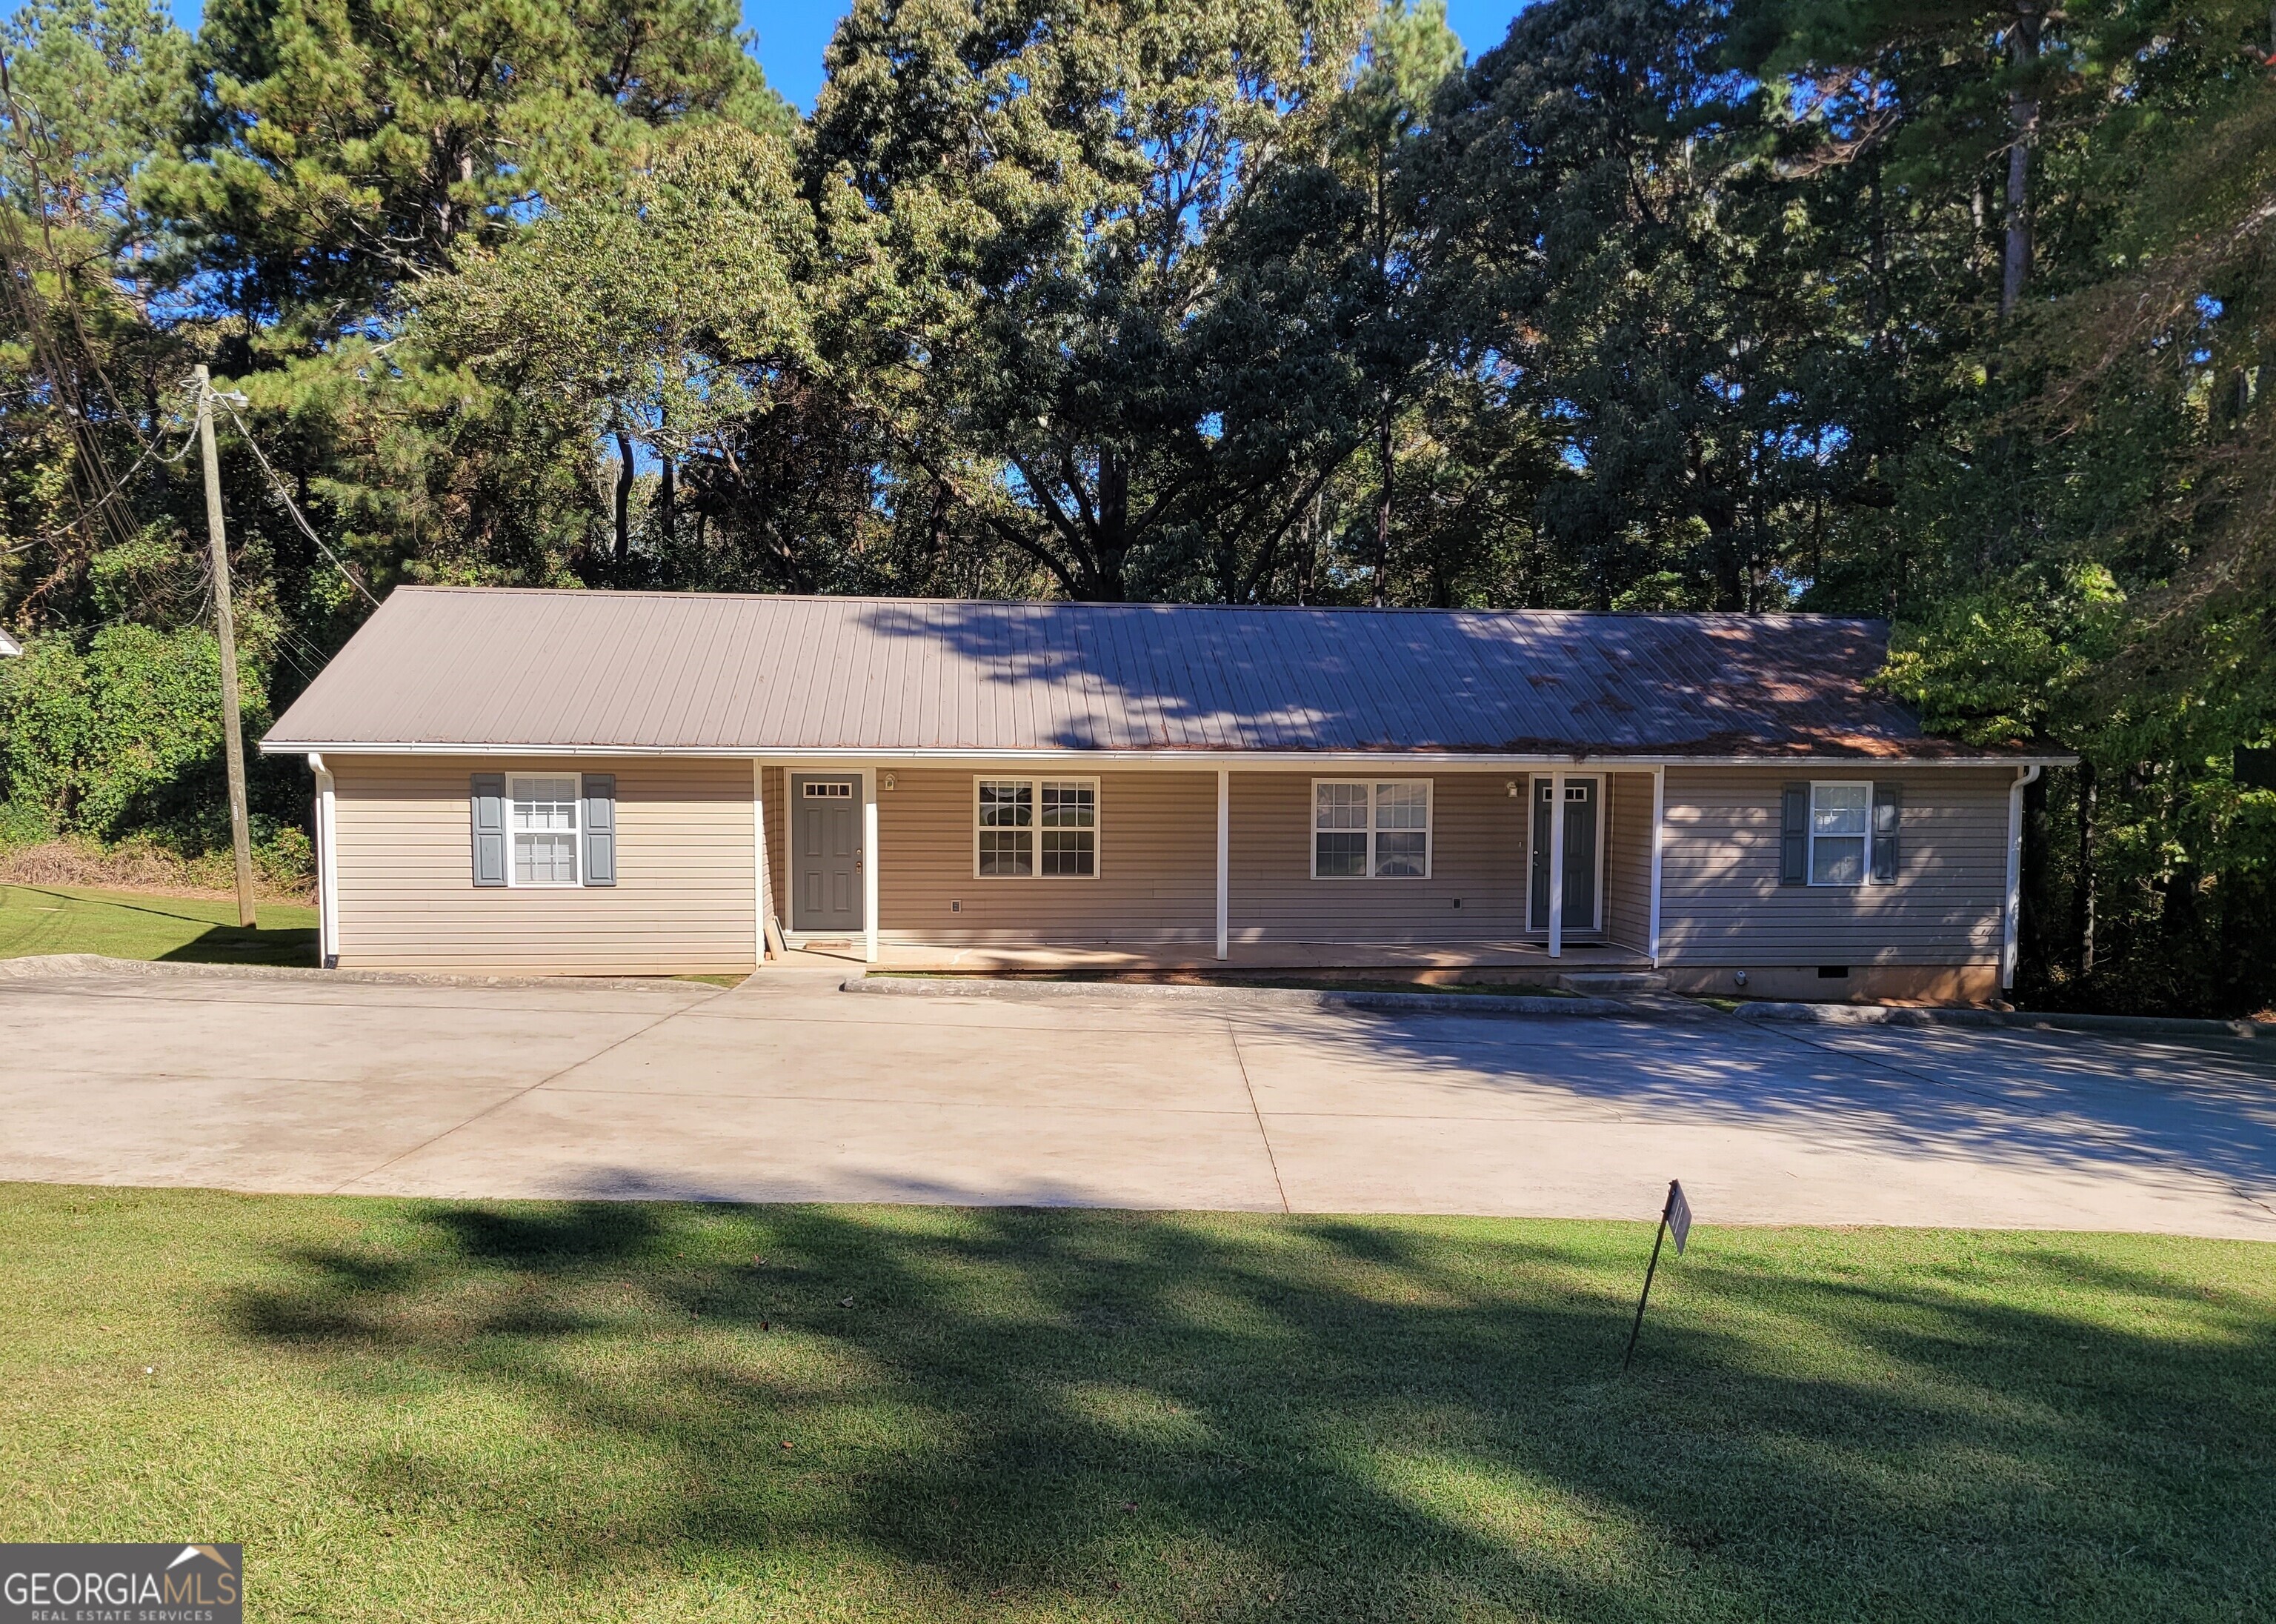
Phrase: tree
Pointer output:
(1049, 184)
(92, 91)
(677, 316)
(336, 151)
(1621, 239)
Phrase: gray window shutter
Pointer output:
(1794, 835)
(1888, 812)
(600, 825)
(485, 797)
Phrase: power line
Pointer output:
(277, 480)
(112, 492)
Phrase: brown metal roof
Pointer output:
(441, 667)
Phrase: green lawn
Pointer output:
(128, 924)
(447, 1411)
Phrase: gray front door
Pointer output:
(826, 837)
(1581, 795)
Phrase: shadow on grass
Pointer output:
(1203, 1417)
(235, 944)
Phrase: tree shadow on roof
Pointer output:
(1137, 675)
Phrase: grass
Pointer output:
(460, 1411)
(123, 924)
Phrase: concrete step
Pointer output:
(1612, 984)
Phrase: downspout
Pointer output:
(327, 884)
(2011, 931)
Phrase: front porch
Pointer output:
(1477, 963)
(1185, 871)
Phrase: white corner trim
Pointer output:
(327, 883)
(2011, 916)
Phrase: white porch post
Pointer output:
(328, 869)
(1658, 818)
(869, 856)
(1557, 864)
(1223, 858)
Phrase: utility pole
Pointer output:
(225, 627)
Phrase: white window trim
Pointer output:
(1312, 831)
(1810, 846)
(576, 832)
(1035, 782)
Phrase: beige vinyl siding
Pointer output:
(1157, 881)
(1721, 902)
(684, 903)
(775, 785)
(1627, 861)
(1477, 839)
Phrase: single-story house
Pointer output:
(671, 782)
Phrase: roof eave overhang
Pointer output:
(1185, 758)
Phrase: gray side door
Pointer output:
(825, 860)
(1581, 796)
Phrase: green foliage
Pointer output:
(1996, 667)
(124, 736)
(1956, 313)
(1050, 212)
(335, 151)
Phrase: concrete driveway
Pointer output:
(789, 1091)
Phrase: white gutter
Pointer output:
(1246, 760)
(2011, 924)
(328, 876)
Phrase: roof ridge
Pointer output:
(1741, 617)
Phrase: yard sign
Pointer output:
(1675, 1219)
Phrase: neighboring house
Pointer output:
(649, 783)
(9, 647)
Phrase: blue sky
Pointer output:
(792, 35)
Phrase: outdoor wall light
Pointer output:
(889, 780)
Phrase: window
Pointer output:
(1027, 827)
(1839, 815)
(828, 789)
(1378, 829)
(543, 825)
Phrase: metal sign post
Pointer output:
(1675, 1219)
